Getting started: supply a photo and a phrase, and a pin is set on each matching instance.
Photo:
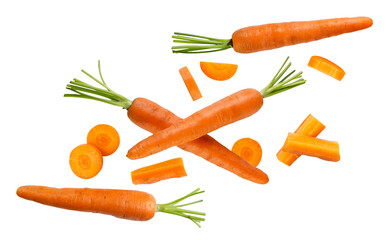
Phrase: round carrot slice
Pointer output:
(249, 150)
(105, 138)
(218, 71)
(86, 161)
(326, 66)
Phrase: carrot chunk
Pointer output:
(86, 161)
(249, 150)
(218, 71)
(173, 168)
(311, 146)
(310, 127)
(105, 138)
(326, 66)
(190, 83)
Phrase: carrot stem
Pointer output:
(173, 208)
(206, 44)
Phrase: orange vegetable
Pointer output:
(327, 67)
(190, 83)
(105, 138)
(310, 127)
(127, 204)
(86, 161)
(249, 149)
(173, 168)
(270, 36)
(218, 71)
(311, 146)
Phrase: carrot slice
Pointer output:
(310, 127)
(326, 66)
(249, 150)
(86, 161)
(173, 168)
(190, 83)
(311, 146)
(218, 71)
(105, 138)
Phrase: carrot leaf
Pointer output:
(175, 209)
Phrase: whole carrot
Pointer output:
(153, 118)
(127, 204)
(269, 36)
(228, 110)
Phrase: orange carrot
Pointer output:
(310, 127)
(270, 36)
(190, 83)
(126, 204)
(327, 67)
(105, 138)
(86, 161)
(218, 71)
(249, 149)
(160, 171)
(311, 146)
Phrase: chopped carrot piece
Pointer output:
(311, 146)
(173, 168)
(86, 161)
(326, 66)
(105, 138)
(218, 71)
(310, 127)
(190, 83)
(249, 150)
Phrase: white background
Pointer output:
(45, 44)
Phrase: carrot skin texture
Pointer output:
(173, 168)
(230, 109)
(276, 35)
(311, 146)
(127, 204)
(153, 118)
(310, 127)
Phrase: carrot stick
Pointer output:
(311, 146)
(230, 109)
(105, 138)
(310, 127)
(161, 171)
(126, 204)
(86, 161)
(190, 83)
(249, 149)
(327, 67)
(270, 36)
(218, 71)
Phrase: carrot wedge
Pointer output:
(218, 71)
(310, 127)
(327, 67)
(311, 146)
(190, 83)
(161, 171)
(249, 150)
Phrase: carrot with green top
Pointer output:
(173, 168)
(126, 204)
(218, 71)
(311, 146)
(310, 127)
(152, 117)
(270, 36)
(230, 109)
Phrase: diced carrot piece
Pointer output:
(190, 83)
(249, 150)
(310, 127)
(86, 161)
(326, 66)
(218, 71)
(173, 168)
(311, 146)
